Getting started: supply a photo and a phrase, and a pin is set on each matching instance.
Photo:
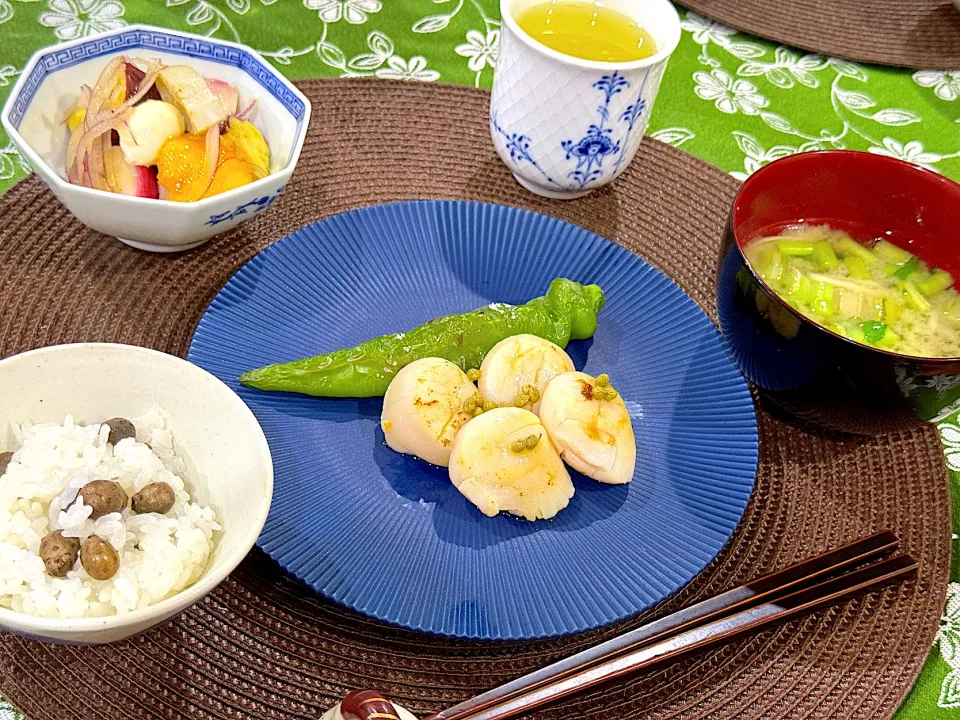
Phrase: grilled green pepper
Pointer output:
(567, 312)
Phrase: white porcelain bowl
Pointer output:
(50, 84)
(228, 461)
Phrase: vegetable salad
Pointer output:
(163, 132)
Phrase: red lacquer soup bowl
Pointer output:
(800, 367)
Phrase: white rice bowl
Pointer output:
(160, 555)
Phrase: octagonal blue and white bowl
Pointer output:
(50, 84)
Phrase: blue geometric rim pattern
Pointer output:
(196, 47)
(387, 534)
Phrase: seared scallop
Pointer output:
(502, 461)
(590, 427)
(520, 367)
(423, 409)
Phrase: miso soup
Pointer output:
(874, 293)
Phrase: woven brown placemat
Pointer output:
(264, 646)
(908, 33)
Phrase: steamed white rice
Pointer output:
(159, 554)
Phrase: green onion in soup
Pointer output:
(874, 293)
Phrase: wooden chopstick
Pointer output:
(756, 592)
(724, 629)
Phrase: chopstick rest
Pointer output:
(366, 705)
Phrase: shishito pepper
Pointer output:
(567, 312)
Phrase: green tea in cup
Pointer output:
(586, 29)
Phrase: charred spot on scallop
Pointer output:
(586, 389)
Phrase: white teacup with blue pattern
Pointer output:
(566, 126)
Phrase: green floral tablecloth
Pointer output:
(733, 100)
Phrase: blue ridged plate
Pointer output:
(389, 535)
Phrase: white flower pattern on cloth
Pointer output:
(945, 83)
(9, 712)
(756, 156)
(11, 161)
(353, 11)
(950, 437)
(855, 114)
(72, 19)
(786, 69)
(948, 638)
(412, 69)
(480, 50)
(705, 30)
(675, 136)
(7, 73)
(729, 95)
(912, 151)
